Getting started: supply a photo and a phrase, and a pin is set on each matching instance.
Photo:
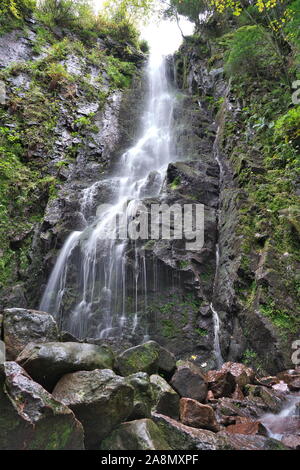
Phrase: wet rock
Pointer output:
(23, 326)
(247, 427)
(288, 376)
(244, 408)
(294, 385)
(246, 442)
(166, 399)
(189, 382)
(242, 374)
(31, 419)
(292, 441)
(143, 395)
(148, 357)
(142, 434)
(221, 383)
(47, 363)
(281, 387)
(196, 415)
(180, 436)
(238, 394)
(271, 399)
(100, 399)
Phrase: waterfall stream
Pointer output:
(101, 283)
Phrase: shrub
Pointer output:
(251, 52)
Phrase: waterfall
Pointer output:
(91, 268)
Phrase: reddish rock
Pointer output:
(221, 383)
(248, 427)
(238, 394)
(291, 441)
(243, 375)
(196, 415)
(210, 396)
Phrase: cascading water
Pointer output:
(94, 260)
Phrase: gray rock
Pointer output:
(166, 399)
(31, 419)
(22, 326)
(47, 363)
(143, 395)
(189, 382)
(100, 399)
(142, 434)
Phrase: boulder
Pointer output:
(189, 382)
(142, 434)
(248, 442)
(288, 376)
(292, 441)
(147, 357)
(166, 399)
(294, 385)
(180, 436)
(46, 363)
(246, 426)
(221, 383)
(21, 326)
(271, 399)
(30, 418)
(100, 399)
(143, 395)
(196, 415)
(238, 394)
(242, 374)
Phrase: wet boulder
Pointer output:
(271, 399)
(142, 434)
(242, 374)
(197, 415)
(46, 363)
(189, 382)
(100, 399)
(247, 426)
(147, 357)
(143, 395)
(166, 399)
(30, 418)
(22, 326)
(221, 383)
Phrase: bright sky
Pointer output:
(163, 37)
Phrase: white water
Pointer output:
(271, 420)
(100, 261)
(216, 319)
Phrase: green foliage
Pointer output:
(251, 54)
(119, 72)
(132, 9)
(64, 12)
(287, 127)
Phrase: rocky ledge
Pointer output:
(73, 395)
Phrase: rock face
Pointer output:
(48, 362)
(141, 434)
(31, 419)
(196, 415)
(166, 399)
(23, 326)
(189, 382)
(100, 399)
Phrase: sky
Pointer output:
(163, 37)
